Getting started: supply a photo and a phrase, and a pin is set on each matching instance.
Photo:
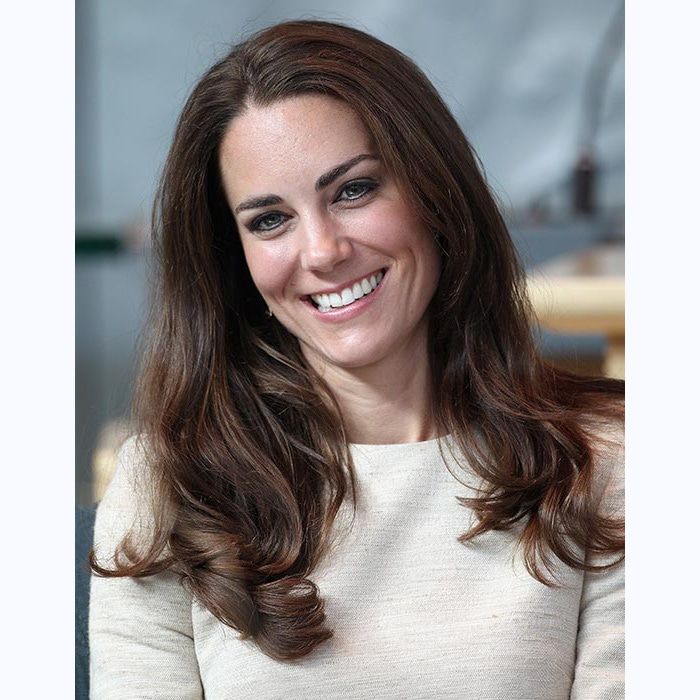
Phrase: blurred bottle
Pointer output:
(584, 185)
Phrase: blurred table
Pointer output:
(585, 293)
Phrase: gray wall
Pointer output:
(512, 72)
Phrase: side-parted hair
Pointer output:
(247, 454)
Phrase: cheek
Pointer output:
(396, 230)
(261, 267)
(269, 266)
(387, 227)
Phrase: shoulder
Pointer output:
(132, 477)
(126, 504)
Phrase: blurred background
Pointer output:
(537, 86)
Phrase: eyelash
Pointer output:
(368, 184)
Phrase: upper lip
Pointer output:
(345, 285)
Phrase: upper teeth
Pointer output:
(349, 294)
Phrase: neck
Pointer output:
(388, 402)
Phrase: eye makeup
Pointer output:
(353, 192)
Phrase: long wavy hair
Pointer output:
(247, 454)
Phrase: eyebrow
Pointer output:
(257, 202)
(341, 169)
(326, 179)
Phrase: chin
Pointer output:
(343, 357)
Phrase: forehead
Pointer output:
(292, 140)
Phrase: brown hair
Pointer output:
(247, 453)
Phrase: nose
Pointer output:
(323, 246)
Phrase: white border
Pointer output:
(37, 132)
(663, 272)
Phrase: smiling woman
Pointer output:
(354, 475)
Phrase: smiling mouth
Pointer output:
(347, 296)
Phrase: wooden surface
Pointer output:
(584, 293)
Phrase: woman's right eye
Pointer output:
(267, 222)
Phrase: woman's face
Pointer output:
(331, 244)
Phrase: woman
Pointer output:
(358, 479)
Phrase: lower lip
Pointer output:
(345, 313)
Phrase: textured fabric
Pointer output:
(415, 614)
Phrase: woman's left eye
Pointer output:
(356, 190)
